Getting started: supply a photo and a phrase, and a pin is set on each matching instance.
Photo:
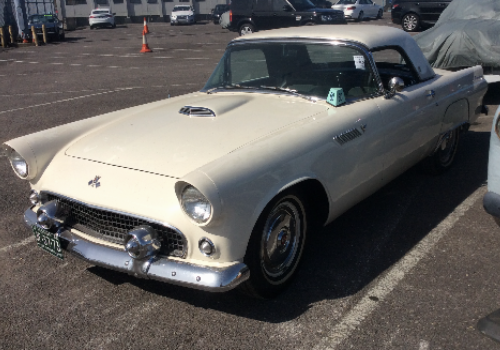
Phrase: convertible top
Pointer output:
(466, 34)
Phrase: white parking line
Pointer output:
(19, 244)
(68, 99)
(385, 285)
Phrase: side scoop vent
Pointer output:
(196, 111)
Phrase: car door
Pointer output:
(430, 10)
(283, 14)
(412, 117)
(371, 10)
(262, 14)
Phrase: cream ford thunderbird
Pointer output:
(219, 188)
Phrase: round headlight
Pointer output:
(18, 163)
(195, 205)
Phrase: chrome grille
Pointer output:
(113, 227)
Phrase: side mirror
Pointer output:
(396, 84)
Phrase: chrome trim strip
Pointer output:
(347, 136)
(123, 213)
(161, 269)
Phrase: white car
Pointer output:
(491, 201)
(182, 14)
(222, 187)
(359, 9)
(102, 17)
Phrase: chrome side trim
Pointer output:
(161, 269)
(347, 136)
(197, 111)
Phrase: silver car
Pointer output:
(102, 17)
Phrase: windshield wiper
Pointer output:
(289, 91)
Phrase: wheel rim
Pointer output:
(448, 148)
(246, 30)
(410, 22)
(281, 240)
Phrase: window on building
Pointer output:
(76, 2)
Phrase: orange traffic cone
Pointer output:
(145, 47)
(146, 30)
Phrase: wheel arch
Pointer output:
(312, 192)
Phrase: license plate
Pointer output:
(48, 241)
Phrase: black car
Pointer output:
(412, 15)
(53, 27)
(218, 11)
(247, 16)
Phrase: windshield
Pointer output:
(306, 68)
(301, 5)
(182, 8)
(42, 19)
(346, 2)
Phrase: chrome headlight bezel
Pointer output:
(195, 205)
(17, 162)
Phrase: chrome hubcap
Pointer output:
(281, 238)
(448, 146)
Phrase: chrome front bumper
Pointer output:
(157, 268)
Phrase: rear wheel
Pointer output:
(246, 28)
(380, 13)
(442, 159)
(275, 246)
(411, 22)
(361, 16)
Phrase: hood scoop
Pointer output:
(191, 111)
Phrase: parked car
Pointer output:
(218, 11)
(491, 200)
(222, 187)
(464, 36)
(324, 4)
(54, 28)
(102, 17)
(358, 10)
(182, 14)
(412, 14)
(248, 16)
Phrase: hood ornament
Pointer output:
(95, 182)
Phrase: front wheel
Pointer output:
(380, 14)
(411, 22)
(442, 159)
(275, 246)
(246, 28)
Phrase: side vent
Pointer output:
(347, 136)
(196, 111)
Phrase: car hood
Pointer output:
(182, 13)
(158, 139)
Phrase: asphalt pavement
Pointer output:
(414, 266)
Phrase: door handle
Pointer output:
(430, 93)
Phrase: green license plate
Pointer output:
(48, 241)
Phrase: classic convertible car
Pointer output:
(220, 188)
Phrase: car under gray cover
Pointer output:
(466, 34)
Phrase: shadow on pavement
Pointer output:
(344, 257)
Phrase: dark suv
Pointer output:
(247, 16)
(413, 14)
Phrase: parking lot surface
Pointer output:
(415, 266)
